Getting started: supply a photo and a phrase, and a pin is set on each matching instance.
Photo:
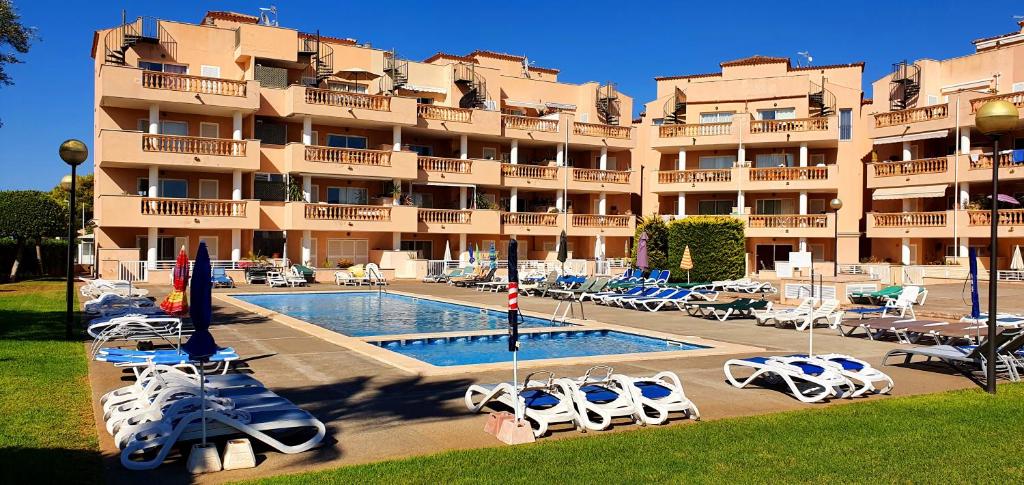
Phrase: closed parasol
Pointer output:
(176, 303)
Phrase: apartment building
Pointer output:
(767, 142)
(258, 139)
(930, 172)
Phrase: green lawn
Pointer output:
(46, 424)
(955, 437)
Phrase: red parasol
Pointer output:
(176, 303)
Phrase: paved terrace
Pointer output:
(374, 411)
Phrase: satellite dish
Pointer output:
(268, 16)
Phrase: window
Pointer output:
(211, 245)
(174, 188)
(774, 160)
(421, 150)
(715, 207)
(163, 67)
(716, 117)
(209, 71)
(768, 206)
(1017, 87)
(845, 124)
(777, 114)
(425, 100)
(346, 195)
(355, 250)
(816, 206)
(269, 186)
(270, 132)
(716, 161)
(490, 153)
(208, 189)
(179, 128)
(933, 99)
(314, 193)
(312, 251)
(209, 130)
(143, 125)
(346, 141)
(817, 159)
(584, 117)
(658, 121)
(424, 249)
(167, 247)
(817, 252)
(268, 243)
(346, 87)
(314, 138)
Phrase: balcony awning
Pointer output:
(918, 192)
(419, 88)
(561, 106)
(916, 136)
(525, 104)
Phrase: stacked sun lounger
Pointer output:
(810, 379)
(972, 360)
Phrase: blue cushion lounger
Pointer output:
(636, 290)
(543, 401)
(219, 277)
(681, 295)
(137, 359)
(658, 293)
(644, 291)
(600, 397)
(657, 397)
(805, 380)
(856, 370)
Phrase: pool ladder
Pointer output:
(377, 280)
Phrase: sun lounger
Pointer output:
(443, 277)
(875, 297)
(752, 287)
(112, 301)
(140, 327)
(679, 297)
(1008, 320)
(827, 312)
(600, 399)
(639, 291)
(806, 381)
(220, 279)
(656, 397)
(139, 359)
(858, 371)
(543, 401)
(722, 311)
(969, 360)
(773, 315)
(256, 274)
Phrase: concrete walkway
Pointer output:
(374, 411)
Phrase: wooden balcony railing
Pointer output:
(529, 171)
(192, 84)
(224, 147)
(1016, 98)
(348, 100)
(444, 113)
(596, 175)
(787, 126)
(985, 161)
(596, 129)
(445, 216)
(911, 167)
(771, 174)
(445, 165)
(913, 115)
(530, 218)
(528, 123)
(342, 212)
(154, 206)
(696, 129)
(788, 221)
(597, 220)
(910, 219)
(695, 176)
(349, 156)
(1007, 217)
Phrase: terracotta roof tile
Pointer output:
(327, 38)
(829, 66)
(231, 16)
(754, 60)
(451, 57)
(687, 76)
(751, 61)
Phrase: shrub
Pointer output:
(717, 247)
(657, 242)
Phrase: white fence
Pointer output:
(572, 266)
(880, 272)
(139, 270)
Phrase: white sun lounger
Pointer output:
(139, 327)
(543, 401)
(112, 301)
(773, 315)
(600, 396)
(656, 397)
(807, 382)
(857, 371)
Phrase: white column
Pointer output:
(154, 119)
(462, 246)
(803, 154)
(463, 147)
(681, 161)
(907, 154)
(603, 161)
(307, 244)
(965, 140)
(513, 200)
(307, 188)
(154, 181)
(965, 194)
(741, 154)
(236, 244)
(741, 202)
(803, 244)
(560, 200)
(514, 152)
(463, 198)
(396, 241)
(905, 250)
(151, 243)
(396, 137)
(560, 155)
(598, 246)
(307, 130)
(236, 125)
(236, 185)
(602, 203)
(681, 204)
(803, 203)
(965, 243)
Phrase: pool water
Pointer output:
(363, 314)
(462, 350)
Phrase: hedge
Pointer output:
(717, 247)
(657, 242)
(54, 256)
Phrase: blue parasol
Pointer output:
(513, 315)
(200, 345)
(493, 256)
(471, 258)
(973, 264)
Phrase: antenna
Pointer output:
(268, 16)
(526, 66)
(807, 56)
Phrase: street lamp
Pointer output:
(836, 204)
(73, 152)
(993, 119)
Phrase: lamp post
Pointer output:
(836, 204)
(73, 152)
(993, 119)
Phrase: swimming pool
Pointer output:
(365, 314)
(487, 349)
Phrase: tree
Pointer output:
(12, 34)
(29, 214)
(83, 199)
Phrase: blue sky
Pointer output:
(52, 97)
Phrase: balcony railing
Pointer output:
(985, 161)
(342, 212)
(530, 218)
(348, 100)
(192, 84)
(193, 144)
(597, 220)
(771, 174)
(596, 129)
(444, 113)
(1016, 98)
(153, 206)
(349, 156)
(696, 129)
(911, 167)
(445, 165)
(596, 175)
(1007, 217)
(787, 126)
(445, 216)
(910, 219)
(789, 221)
(528, 123)
(913, 115)
(695, 176)
(529, 171)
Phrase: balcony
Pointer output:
(530, 128)
(128, 87)
(596, 180)
(451, 221)
(910, 172)
(532, 223)
(980, 170)
(978, 223)
(339, 107)
(596, 134)
(910, 224)
(458, 120)
(605, 225)
(789, 225)
(458, 171)
(697, 134)
(793, 130)
(345, 217)
(531, 176)
(135, 211)
(913, 120)
(792, 178)
(700, 180)
(350, 162)
(694, 130)
(1016, 98)
(134, 149)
